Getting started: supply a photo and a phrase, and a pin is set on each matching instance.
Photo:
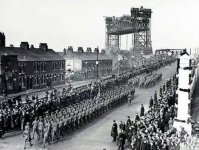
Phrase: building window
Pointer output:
(43, 66)
(37, 70)
(54, 66)
(42, 79)
(22, 81)
(62, 65)
(22, 68)
(36, 66)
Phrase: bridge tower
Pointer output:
(112, 40)
(138, 24)
(141, 19)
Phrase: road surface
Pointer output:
(96, 134)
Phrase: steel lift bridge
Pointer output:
(138, 24)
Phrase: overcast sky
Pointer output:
(63, 23)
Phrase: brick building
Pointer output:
(84, 62)
(26, 67)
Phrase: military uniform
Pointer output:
(26, 135)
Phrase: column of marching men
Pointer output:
(82, 103)
(52, 126)
(51, 116)
(153, 129)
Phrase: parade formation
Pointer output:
(51, 117)
(122, 93)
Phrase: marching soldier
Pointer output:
(26, 135)
(54, 128)
(40, 127)
(129, 99)
(76, 119)
(46, 136)
(35, 127)
(66, 121)
(72, 120)
(60, 128)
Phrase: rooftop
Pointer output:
(87, 56)
(31, 54)
(84, 56)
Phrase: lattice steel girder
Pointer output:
(137, 23)
(113, 42)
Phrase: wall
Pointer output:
(77, 64)
(69, 64)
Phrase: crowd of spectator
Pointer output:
(153, 129)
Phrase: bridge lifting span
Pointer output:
(138, 24)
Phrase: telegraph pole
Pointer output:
(97, 63)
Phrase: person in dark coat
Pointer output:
(151, 102)
(137, 118)
(161, 125)
(124, 126)
(122, 138)
(121, 125)
(138, 142)
(164, 88)
(128, 122)
(155, 100)
(142, 111)
(160, 91)
(114, 132)
(145, 144)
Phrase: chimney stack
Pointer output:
(64, 51)
(96, 50)
(32, 46)
(80, 50)
(103, 51)
(2, 40)
(24, 45)
(89, 50)
(43, 46)
(70, 49)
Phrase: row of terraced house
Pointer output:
(26, 67)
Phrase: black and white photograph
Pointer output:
(99, 75)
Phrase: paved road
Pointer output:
(96, 135)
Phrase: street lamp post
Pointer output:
(86, 76)
(97, 63)
(118, 67)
